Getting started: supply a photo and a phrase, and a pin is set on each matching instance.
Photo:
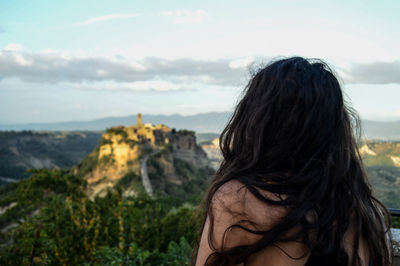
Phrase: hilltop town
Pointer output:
(124, 151)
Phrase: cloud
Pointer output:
(2, 30)
(153, 73)
(57, 68)
(186, 16)
(151, 85)
(106, 17)
(13, 47)
(241, 63)
(374, 73)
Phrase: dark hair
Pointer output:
(293, 134)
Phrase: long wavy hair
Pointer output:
(293, 134)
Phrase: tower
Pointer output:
(139, 120)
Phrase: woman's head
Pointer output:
(292, 134)
(291, 116)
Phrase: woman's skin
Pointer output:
(233, 203)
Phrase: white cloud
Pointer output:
(22, 61)
(241, 63)
(155, 73)
(186, 16)
(13, 47)
(143, 86)
(374, 73)
(155, 85)
(57, 68)
(107, 17)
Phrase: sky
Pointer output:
(83, 60)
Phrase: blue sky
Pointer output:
(81, 60)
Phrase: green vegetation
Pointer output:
(104, 141)
(132, 181)
(384, 175)
(187, 132)
(48, 218)
(89, 163)
(395, 222)
(384, 181)
(61, 226)
(106, 160)
(192, 181)
(131, 142)
(118, 131)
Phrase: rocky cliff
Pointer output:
(381, 153)
(213, 153)
(382, 161)
(172, 159)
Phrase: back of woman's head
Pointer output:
(292, 134)
(291, 117)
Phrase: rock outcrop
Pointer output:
(213, 153)
(122, 149)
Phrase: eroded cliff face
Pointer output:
(381, 153)
(121, 153)
(213, 152)
(115, 156)
(382, 161)
(184, 147)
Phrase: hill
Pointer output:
(171, 159)
(27, 149)
(382, 161)
(381, 130)
(102, 211)
(128, 202)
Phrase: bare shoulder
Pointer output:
(236, 212)
(236, 202)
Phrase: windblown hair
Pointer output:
(293, 134)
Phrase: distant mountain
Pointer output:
(381, 130)
(212, 122)
(207, 122)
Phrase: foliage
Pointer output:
(145, 150)
(89, 163)
(384, 174)
(395, 222)
(49, 220)
(187, 132)
(104, 141)
(118, 131)
(69, 229)
(131, 180)
(194, 180)
(385, 184)
(131, 142)
(106, 159)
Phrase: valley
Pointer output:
(127, 195)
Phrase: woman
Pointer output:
(292, 189)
